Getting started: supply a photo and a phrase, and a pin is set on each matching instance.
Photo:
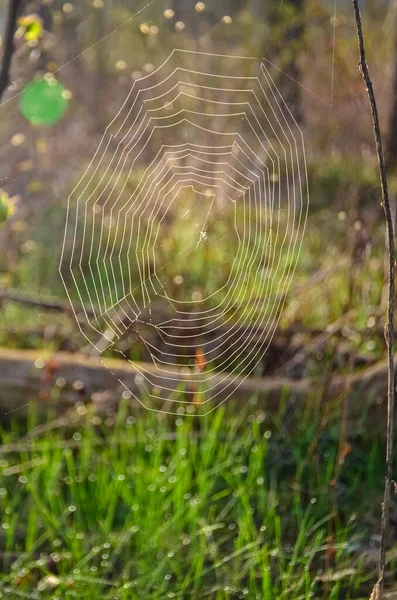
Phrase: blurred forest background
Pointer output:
(339, 284)
(277, 494)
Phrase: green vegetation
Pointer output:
(144, 506)
(127, 504)
(340, 269)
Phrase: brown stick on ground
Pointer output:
(30, 376)
(13, 10)
(389, 328)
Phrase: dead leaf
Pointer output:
(337, 575)
(200, 360)
(49, 370)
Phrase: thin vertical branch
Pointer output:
(389, 328)
(13, 9)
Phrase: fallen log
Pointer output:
(60, 380)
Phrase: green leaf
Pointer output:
(30, 27)
(6, 206)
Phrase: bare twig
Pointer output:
(51, 305)
(13, 10)
(389, 328)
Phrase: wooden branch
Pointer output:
(255, 333)
(13, 10)
(389, 329)
(32, 376)
(57, 381)
(50, 305)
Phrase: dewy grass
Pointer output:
(145, 506)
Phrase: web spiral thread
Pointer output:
(219, 145)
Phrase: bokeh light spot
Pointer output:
(44, 102)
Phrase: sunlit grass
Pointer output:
(142, 506)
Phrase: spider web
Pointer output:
(184, 232)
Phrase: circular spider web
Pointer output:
(184, 232)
